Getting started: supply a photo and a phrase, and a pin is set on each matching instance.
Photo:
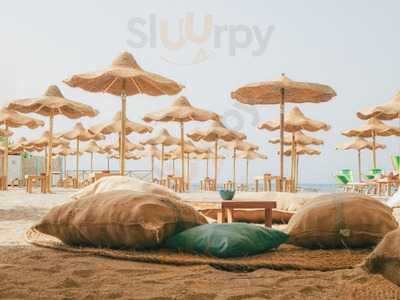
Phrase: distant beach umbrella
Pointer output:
(12, 119)
(238, 145)
(64, 151)
(79, 134)
(280, 92)
(386, 111)
(181, 111)
(163, 139)
(207, 157)
(129, 146)
(153, 152)
(300, 150)
(372, 129)
(217, 131)
(128, 156)
(359, 144)
(300, 139)
(250, 155)
(50, 104)
(92, 148)
(125, 78)
(295, 121)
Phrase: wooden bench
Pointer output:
(228, 206)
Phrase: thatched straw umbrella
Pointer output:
(152, 152)
(280, 92)
(64, 151)
(250, 155)
(237, 145)
(359, 144)
(129, 146)
(372, 129)
(188, 149)
(207, 157)
(125, 78)
(300, 150)
(50, 104)
(128, 156)
(80, 134)
(295, 121)
(10, 118)
(217, 131)
(386, 111)
(181, 111)
(92, 148)
(163, 139)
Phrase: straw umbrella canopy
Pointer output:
(250, 155)
(359, 144)
(129, 146)
(300, 139)
(373, 128)
(238, 145)
(280, 92)
(163, 139)
(387, 111)
(181, 111)
(128, 156)
(217, 131)
(11, 118)
(80, 134)
(5, 133)
(295, 121)
(125, 78)
(50, 104)
(92, 148)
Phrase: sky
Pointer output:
(350, 45)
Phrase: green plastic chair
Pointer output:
(396, 162)
(347, 173)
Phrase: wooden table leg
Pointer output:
(220, 216)
(229, 215)
(268, 217)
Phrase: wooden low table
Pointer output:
(229, 205)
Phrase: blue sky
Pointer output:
(351, 46)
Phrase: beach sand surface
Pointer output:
(29, 272)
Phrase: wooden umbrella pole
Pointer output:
(45, 159)
(216, 163)
(108, 163)
(374, 149)
(359, 165)
(282, 124)
(293, 157)
(91, 162)
(247, 173)
(5, 161)
(152, 168)
(182, 156)
(77, 163)
(50, 154)
(297, 172)
(234, 168)
(162, 162)
(207, 164)
(65, 167)
(123, 131)
(173, 167)
(187, 171)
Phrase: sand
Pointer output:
(28, 272)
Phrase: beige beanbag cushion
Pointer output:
(385, 259)
(340, 221)
(119, 219)
(110, 183)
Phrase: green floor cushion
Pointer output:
(227, 240)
